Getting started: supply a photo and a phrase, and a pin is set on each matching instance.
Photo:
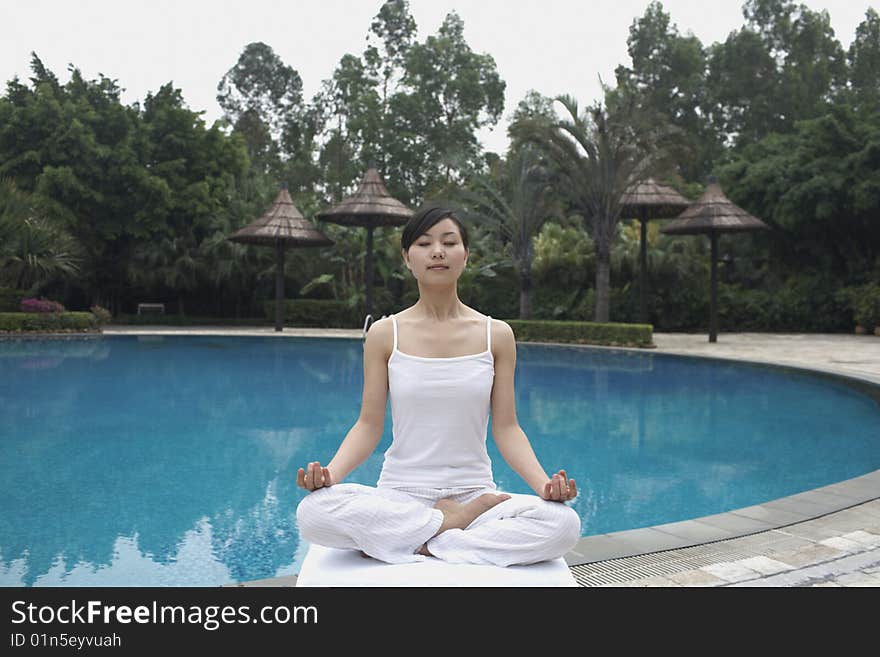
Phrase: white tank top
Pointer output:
(440, 417)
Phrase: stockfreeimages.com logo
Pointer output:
(211, 617)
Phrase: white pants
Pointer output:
(391, 524)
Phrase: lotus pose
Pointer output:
(445, 366)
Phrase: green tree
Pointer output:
(668, 74)
(262, 99)
(34, 249)
(354, 110)
(451, 92)
(75, 146)
(819, 187)
(598, 154)
(413, 108)
(864, 59)
(115, 177)
(392, 35)
(532, 109)
(784, 65)
(515, 201)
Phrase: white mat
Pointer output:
(325, 566)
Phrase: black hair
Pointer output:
(422, 221)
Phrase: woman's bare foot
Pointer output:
(459, 516)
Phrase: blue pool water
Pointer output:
(152, 461)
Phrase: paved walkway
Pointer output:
(826, 537)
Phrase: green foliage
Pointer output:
(513, 202)
(804, 304)
(47, 322)
(564, 257)
(864, 59)
(781, 67)
(819, 188)
(34, 248)
(175, 319)
(414, 108)
(597, 155)
(317, 313)
(864, 302)
(451, 93)
(262, 99)
(610, 334)
(668, 76)
(563, 303)
(533, 108)
(117, 179)
(10, 299)
(102, 315)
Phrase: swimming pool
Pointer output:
(169, 460)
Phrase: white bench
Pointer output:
(151, 307)
(325, 566)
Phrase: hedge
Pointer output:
(67, 321)
(327, 313)
(610, 334)
(185, 320)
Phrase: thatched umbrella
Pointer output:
(713, 214)
(281, 226)
(648, 200)
(370, 206)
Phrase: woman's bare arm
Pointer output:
(513, 444)
(365, 434)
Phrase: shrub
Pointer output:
(102, 315)
(315, 313)
(864, 301)
(801, 304)
(609, 334)
(40, 305)
(187, 320)
(49, 322)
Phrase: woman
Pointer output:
(444, 365)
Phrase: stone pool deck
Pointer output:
(825, 537)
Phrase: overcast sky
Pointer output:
(553, 46)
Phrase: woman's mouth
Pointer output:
(438, 267)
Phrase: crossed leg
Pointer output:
(475, 525)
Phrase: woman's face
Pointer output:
(437, 256)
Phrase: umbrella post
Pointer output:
(368, 273)
(713, 303)
(712, 215)
(643, 266)
(279, 284)
(648, 200)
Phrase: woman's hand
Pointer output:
(559, 488)
(314, 477)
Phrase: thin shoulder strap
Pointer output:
(489, 332)
(394, 322)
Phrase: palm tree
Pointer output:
(597, 155)
(171, 262)
(514, 200)
(234, 268)
(34, 249)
